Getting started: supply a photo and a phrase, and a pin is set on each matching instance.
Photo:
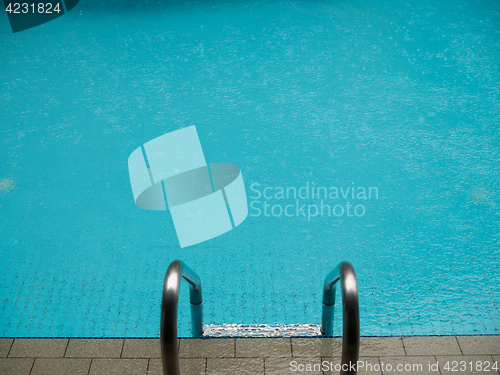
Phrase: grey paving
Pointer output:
(434, 345)
(263, 348)
(378, 355)
(479, 344)
(377, 346)
(232, 366)
(154, 367)
(16, 366)
(192, 366)
(204, 348)
(94, 348)
(141, 348)
(316, 347)
(101, 366)
(61, 366)
(5, 345)
(36, 348)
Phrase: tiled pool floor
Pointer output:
(247, 356)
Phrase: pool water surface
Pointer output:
(399, 100)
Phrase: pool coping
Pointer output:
(256, 356)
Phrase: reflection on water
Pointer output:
(7, 184)
(482, 194)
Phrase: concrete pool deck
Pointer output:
(248, 356)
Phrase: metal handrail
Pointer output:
(170, 299)
(350, 307)
(169, 303)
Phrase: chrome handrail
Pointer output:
(350, 307)
(170, 299)
(169, 303)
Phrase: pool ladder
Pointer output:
(179, 270)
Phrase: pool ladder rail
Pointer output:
(178, 270)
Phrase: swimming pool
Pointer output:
(397, 98)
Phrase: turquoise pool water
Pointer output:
(398, 97)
